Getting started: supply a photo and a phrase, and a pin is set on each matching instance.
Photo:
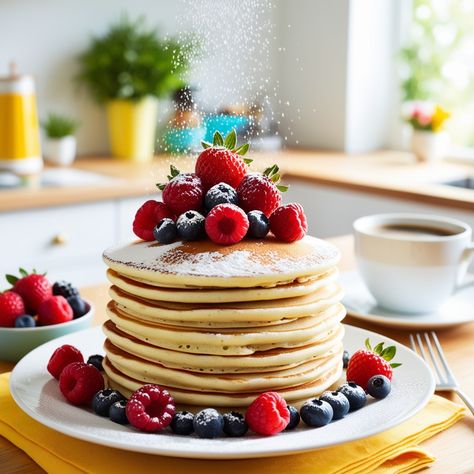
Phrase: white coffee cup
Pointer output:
(412, 263)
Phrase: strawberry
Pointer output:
(365, 363)
(261, 192)
(11, 306)
(183, 193)
(33, 288)
(221, 161)
(148, 216)
(288, 223)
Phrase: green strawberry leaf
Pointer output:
(271, 170)
(217, 139)
(161, 186)
(12, 279)
(230, 140)
(395, 365)
(242, 150)
(23, 272)
(275, 178)
(247, 161)
(378, 349)
(367, 344)
(282, 188)
(173, 172)
(206, 144)
(388, 353)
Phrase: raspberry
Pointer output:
(55, 310)
(184, 193)
(147, 217)
(150, 408)
(79, 382)
(218, 164)
(61, 357)
(258, 192)
(365, 363)
(11, 306)
(33, 288)
(226, 224)
(267, 414)
(288, 223)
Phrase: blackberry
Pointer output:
(64, 288)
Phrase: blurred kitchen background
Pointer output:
(367, 105)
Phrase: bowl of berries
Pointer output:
(35, 310)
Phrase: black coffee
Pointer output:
(412, 230)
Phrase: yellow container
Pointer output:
(132, 128)
(19, 128)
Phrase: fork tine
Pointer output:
(441, 355)
(412, 344)
(433, 358)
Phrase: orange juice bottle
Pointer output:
(19, 129)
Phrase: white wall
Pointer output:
(44, 38)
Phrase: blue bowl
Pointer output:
(223, 124)
(182, 140)
(17, 342)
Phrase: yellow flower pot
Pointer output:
(132, 128)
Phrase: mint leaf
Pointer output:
(230, 140)
(217, 139)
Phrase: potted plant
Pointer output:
(59, 147)
(429, 141)
(128, 68)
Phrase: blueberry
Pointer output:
(78, 305)
(104, 399)
(117, 412)
(25, 321)
(235, 424)
(294, 418)
(190, 225)
(182, 423)
(258, 225)
(165, 232)
(96, 361)
(220, 193)
(338, 401)
(355, 394)
(345, 359)
(208, 423)
(316, 412)
(379, 386)
(64, 288)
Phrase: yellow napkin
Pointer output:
(394, 451)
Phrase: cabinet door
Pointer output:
(64, 241)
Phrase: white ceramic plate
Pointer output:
(361, 304)
(38, 395)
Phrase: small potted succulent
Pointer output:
(128, 69)
(59, 147)
(429, 140)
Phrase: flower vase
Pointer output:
(428, 146)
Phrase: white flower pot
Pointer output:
(60, 151)
(429, 146)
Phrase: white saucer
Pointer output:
(37, 393)
(459, 309)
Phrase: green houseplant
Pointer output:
(128, 69)
(59, 145)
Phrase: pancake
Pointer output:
(242, 341)
(151, 291)
(127, 385)
(262, 311)
(269, 360)
(248, 264)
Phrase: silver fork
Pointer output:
(445, 378)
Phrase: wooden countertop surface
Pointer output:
(388, 173)
(452, 448)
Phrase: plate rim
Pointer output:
(280, 449)
(393, 321)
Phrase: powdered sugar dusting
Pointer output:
(256, 260)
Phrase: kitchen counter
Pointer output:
(387, 173)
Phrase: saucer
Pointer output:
(360, 304)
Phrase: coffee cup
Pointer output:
(412, 263)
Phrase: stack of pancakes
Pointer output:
(218, 325)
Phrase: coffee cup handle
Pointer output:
(466, 257)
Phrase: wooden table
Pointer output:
(453, 448)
